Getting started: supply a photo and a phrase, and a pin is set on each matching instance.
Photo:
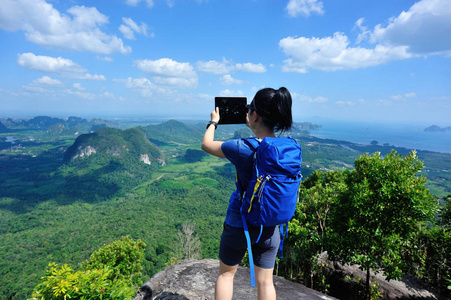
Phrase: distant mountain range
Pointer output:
(57, 126)
(435, 128)
(171, 132)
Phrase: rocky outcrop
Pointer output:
(145, 159)
(344, 284)
(195, 280)
(84, 151)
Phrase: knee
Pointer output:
(264, 281)
(264, 277)
(226, 275)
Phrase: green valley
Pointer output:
(67, 187)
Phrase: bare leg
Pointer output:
(265, 284)
(224, 283)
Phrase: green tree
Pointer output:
(378, 212)
(431, 259)
(124, 256)
(308, 228)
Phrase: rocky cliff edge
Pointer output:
(195, 280)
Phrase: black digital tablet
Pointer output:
(231, 109)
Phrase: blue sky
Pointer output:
(361, 60)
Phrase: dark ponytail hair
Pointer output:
(274, 107)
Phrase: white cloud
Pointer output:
(214, 67)
(104, 58)
(48, 64)
(78, 86)
(141, 85)
(226, 66)
(36, 89)
(165, 67)
(228, 80)
(334, 53)
(109, 95)
(129, 28)
(364, 33)
(92, 77)
(422, 30)
(403, 97)
(176, 82)
(230, 93)
(425, 28)
(46, 80)
(346, 103)
(150, 3)
(169, 72)
(304, 7)
(308, 99)
(250, 67)
(61, 66)
(45, 25)
(84, 95)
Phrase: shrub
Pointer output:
(112, 272)
(61, 282)
(124, 257)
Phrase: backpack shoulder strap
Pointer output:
(252, 142)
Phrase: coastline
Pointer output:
(397, 135)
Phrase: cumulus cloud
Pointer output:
(230, 93)
(84, 95)
(214, 67)
(57, 65)
(129, 28)
(46, 80)
(42, 84)
(304, 7)
(140, 85)
(422, 30)
(225, 66)
(333, 53)
(79, 30)
(169, 72)
(425, 28)
(250, 67)
(78, 86)
(229, 80)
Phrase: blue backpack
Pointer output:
(271, 196)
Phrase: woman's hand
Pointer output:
(214, 116)
(209, 144)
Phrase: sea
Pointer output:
(410, 136)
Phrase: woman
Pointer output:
(268, 113)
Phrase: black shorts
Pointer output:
(233, 245)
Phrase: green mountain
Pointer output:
(107, 163)
(172, 132)
(3, 128)
(114, 143)
(42, 122)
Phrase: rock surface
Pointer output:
(408, 287)
(195, 280)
